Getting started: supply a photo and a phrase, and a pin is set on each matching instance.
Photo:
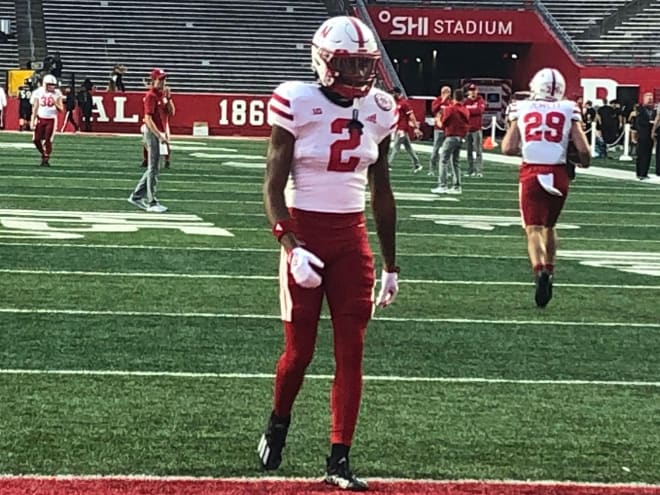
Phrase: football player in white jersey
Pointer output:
(329, 141)
(541, 128)
(46, 102)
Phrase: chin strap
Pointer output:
(355, 124)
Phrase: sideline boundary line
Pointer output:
(251, 479)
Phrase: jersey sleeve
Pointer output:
(36, 94)
(574, 111)
(388, 115)
(513, 111)
(282, 107)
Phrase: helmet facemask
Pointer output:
(345, 56)
(349, 75)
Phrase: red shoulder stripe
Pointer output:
(279, 112)
(282, 100)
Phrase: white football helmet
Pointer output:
(548, 84)
(49, 79)
(345, 55)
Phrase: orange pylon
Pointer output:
(488, 143)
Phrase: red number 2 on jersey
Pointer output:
(335, 163)
(554, 121)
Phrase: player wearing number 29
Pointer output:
(541, 127)
(329, 140)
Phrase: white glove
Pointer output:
(301, 262)
(389, 288)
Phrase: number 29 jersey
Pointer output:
(545, 128)
(330, 160)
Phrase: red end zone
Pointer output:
(192, 486)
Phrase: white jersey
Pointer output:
(545, 128)
(47, 99)
(330, 163)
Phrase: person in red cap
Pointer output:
(474, 140)
(166, 151)
(157, 109)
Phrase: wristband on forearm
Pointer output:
(282, 227)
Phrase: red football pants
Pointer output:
(43, 136)
(340, 240)
(538, 206)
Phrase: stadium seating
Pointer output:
(577, 17)
(8, 48)
(635, 41)
(221, 46)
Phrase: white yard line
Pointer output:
(79, 273)
(423, 205)
(275, 250)
(470, 321)
(369, 378)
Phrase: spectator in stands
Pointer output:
(644, 128)
(70, 106)
(476, 106)
(86, 104)
(456, 124)
(3, 105)
(157, 110)
(406, 122)
(116, 81)
(53, 65)
(440, 102)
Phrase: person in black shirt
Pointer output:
(25, 105)
(70, 106)
(644, 127)
(588, 114)
(607, 119)
(86, 104)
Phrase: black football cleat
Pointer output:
(44, 163)
(543, 289)
(144, 164)
(167, 164)
(339, 474)
(272, 442)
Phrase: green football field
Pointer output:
(135, 343)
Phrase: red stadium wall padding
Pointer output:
(224, 114)
(246, 115)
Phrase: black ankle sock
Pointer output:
(339, 450)
(285, 420)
